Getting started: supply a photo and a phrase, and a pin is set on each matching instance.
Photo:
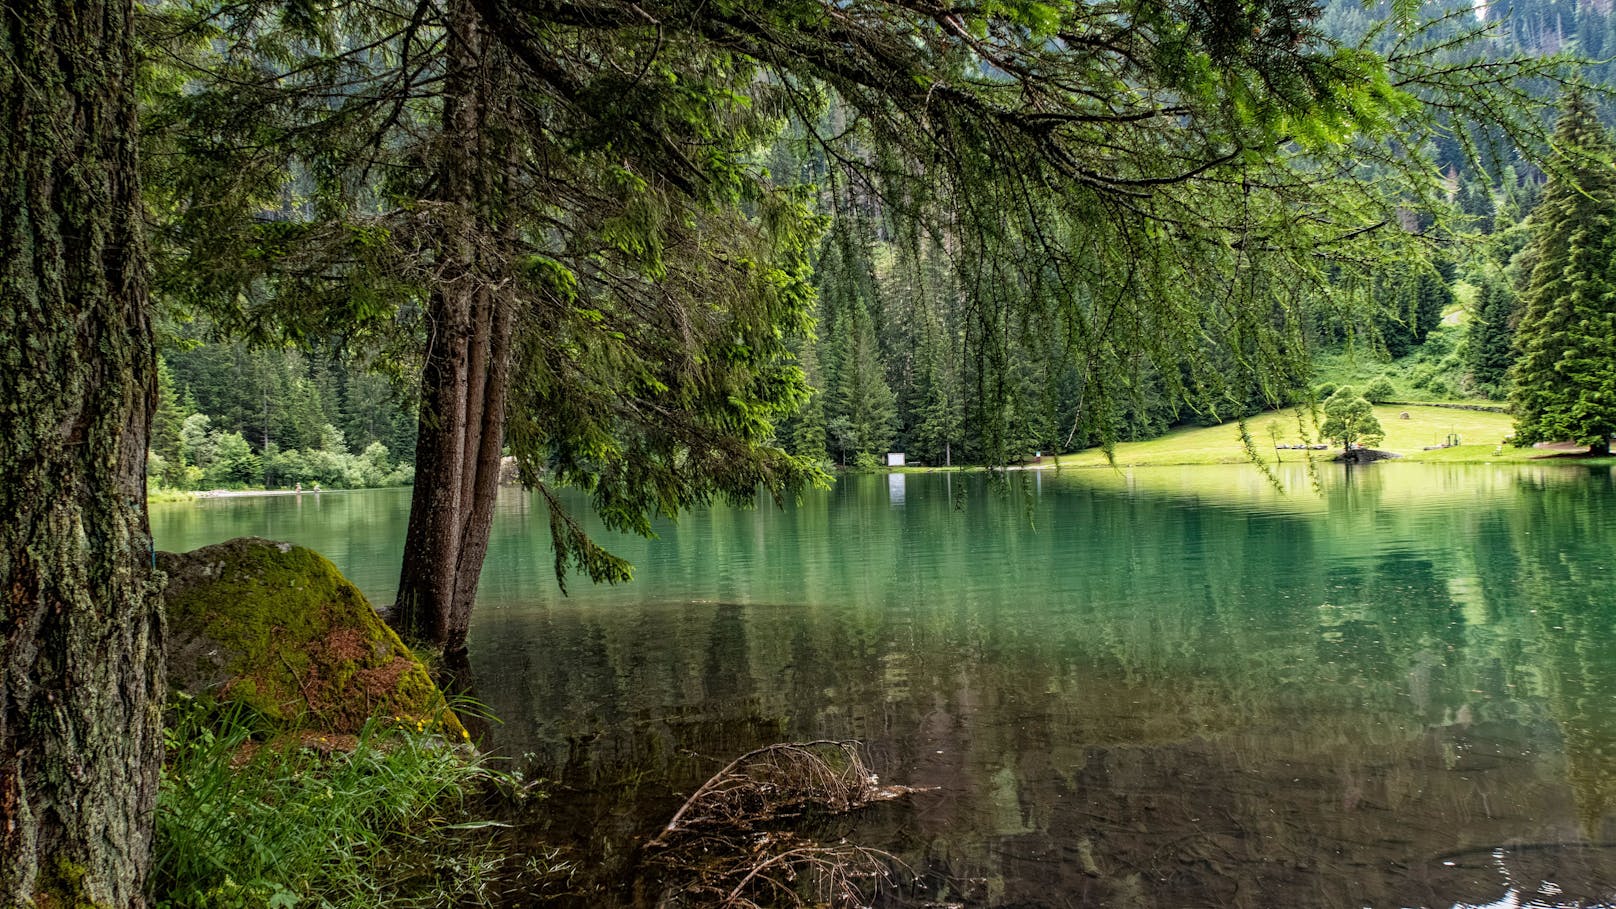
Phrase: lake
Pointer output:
(1386, 686)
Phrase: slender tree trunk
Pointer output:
(467, 370)
(80, 617)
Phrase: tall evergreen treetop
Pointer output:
(1565, 374)
(1490, 350)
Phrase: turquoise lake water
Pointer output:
(1394, 686)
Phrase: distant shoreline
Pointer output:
(245, 493)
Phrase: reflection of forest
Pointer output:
(360, 531)
(1123, 698)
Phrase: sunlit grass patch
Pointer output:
(1428, 426)
(1478, 453)
(1479, 433)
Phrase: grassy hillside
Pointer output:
(1480, 434)
(1433, 371)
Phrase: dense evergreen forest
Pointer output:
(894, 361)
(892, 371)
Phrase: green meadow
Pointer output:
(1480, 433)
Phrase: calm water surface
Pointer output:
(1166, 687)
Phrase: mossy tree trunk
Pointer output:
(80, 618)
(466, 377)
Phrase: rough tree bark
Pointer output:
(470, 318)
(80, 617)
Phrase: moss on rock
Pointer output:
(277, 628)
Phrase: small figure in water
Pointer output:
(316, 488)
(298, 487)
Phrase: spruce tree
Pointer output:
(166, 419)
(1410, 305)
(1489, 351)
(862, 406)
(1432, 296)
(81, 631)
(1564, 375)
(939, 421)
(1476, 200)
(807, 426)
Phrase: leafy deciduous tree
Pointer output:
(1350, 419)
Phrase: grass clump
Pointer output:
(385, 818)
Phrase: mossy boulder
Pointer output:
(277, 628)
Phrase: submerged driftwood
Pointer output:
(725, 846)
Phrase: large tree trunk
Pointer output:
(464, 382)
(80, 618)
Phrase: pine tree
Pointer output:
(1030, 416)
(1432, 296)
(807, 426)
(862, 408)
(81, 639)
(1476, 200)
(1564, 375)
(939, 421)
(1489, 351)
(166, 420)
(1409, 306)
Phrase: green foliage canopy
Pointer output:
(1491, 336)
(1350, 419)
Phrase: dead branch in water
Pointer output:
(775, 780)
(716, 855)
